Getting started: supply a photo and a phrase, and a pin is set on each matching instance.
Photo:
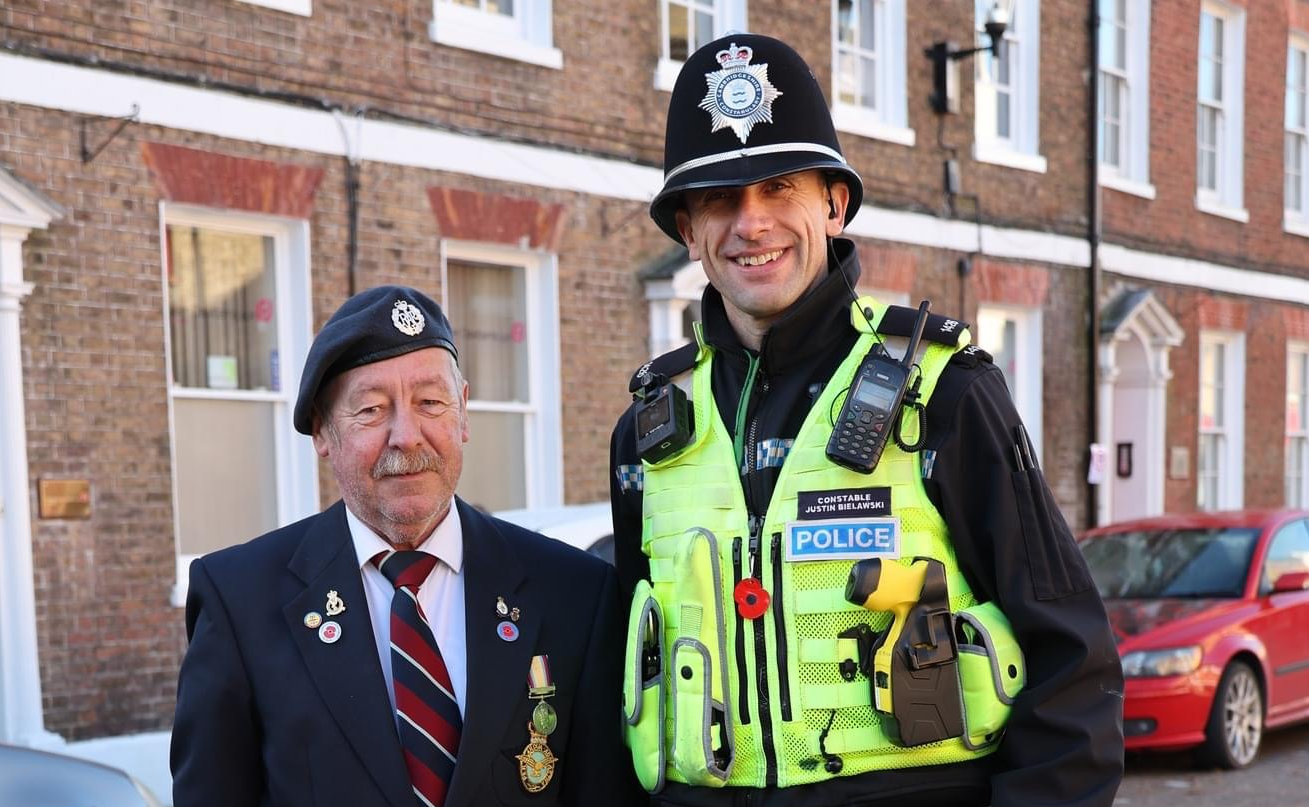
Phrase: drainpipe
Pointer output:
(1093, 230)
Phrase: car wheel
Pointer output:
(1236, 720)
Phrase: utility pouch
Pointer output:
(702, 736)
(991, 671)
(643, 702)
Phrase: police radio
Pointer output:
(663, 420)
(871, 410)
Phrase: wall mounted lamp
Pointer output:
(946, 55)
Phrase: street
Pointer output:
(1280, 776)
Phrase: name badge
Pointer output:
(843, 539)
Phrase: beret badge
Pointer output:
(740, 94)
(407, 319)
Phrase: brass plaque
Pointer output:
(64, 498)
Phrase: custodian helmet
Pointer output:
(746, 108)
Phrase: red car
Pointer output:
(1211, 611)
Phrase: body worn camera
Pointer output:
(663, 421)
(872, 408)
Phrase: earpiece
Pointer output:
(831, 208)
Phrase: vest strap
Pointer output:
(823, 601)
(845, 695)
(828, 651)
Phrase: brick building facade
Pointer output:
(503, 162)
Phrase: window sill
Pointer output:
(665, 75)
(1295, 224)
(1143, 189)
(302, 7)
(1215, 208)
(864, 123)
(999, 155)
(519, 50)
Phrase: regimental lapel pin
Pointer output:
(540, 687)
(313, 619)
(536, 765)
(514, 614)
(740, 95)
(501, 610)
(335, 606)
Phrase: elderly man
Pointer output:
(850, 583)
(400, 648)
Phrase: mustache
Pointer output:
(395, 462)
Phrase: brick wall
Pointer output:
(97, 405)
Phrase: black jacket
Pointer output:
(1063, 744)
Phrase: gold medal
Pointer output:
(536, 765)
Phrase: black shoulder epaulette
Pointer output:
(673, 363)
(971, 356)
(899, 321)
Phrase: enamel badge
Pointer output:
(407, 319)
(536, 765)
(740, 95)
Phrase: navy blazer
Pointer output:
(268, 714)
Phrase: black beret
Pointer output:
(380, 323)
(746, 108)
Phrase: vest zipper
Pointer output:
(743, 695)
(761, 663)
(779, 623)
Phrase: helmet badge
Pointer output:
(740, 94)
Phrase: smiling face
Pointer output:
(393, 432)
(763, 246)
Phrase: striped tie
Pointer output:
(428, 714)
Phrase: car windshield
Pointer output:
(1147, 564)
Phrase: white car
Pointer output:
(31, 778)
(588, 527)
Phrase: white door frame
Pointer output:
(1136, 315)
(22, 209)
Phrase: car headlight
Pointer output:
(1157, 663)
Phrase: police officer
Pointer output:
(751, 677)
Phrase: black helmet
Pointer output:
(746, 108)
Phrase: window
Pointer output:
(1012, 335)
(502, 304)
(1007, 93)
(512, 29)
(686, 25)
(238, 328)
(868, 69)
(302, 7)
(1297, 424)
(1288, 552)
(1296, 202)
(1125, 96)
(1220, 112)
(1220, 464)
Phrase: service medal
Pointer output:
(536, 765)
(544, 717)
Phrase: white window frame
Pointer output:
(1297, 494)
(1297, 221)
(889, 119)
(1227, 200)
(302, 7)
(297, 462)
(1231, 459)
(1134, 176)
(1022, 149)
(1027, 391)
(542, 422)
(729, 15)
(527, 36)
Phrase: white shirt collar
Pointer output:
(446, 542)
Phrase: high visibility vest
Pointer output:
(714, 698)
